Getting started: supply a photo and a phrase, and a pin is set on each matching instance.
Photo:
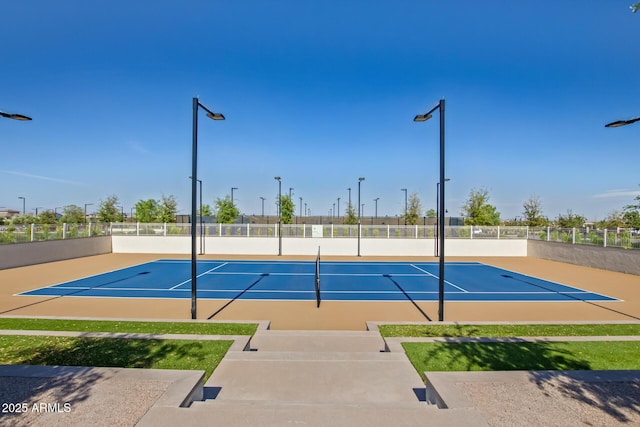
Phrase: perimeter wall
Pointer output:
(612, 259)
(21, 254)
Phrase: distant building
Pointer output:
(8, 213)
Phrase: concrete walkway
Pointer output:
(319, 378)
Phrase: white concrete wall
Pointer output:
(21, 254)
(309, 246)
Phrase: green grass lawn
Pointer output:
(113, 352)
(482, 356)
(519, 330)
(199, 328)
(505, 356)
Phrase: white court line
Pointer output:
(208, 271)
(446, 281)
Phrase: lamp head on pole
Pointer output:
(215, 116)
(422, 117)
(619, 123)
(14, 116)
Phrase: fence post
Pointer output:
(498, 232)
(33, 227)
(471, 234)
(573, 232)
(248, 230)
(548, 233)
(138, 228)
(220, 229)
(605, 238)
(164, 229)
(527, 230)
(388, 230)
(332, 230)
(64, 230)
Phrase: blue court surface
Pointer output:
(339, 281)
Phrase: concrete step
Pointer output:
(252, 413)
(306, 356)
(317, 341)
(318, 380)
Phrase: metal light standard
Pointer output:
(376, 200)
(194, 208)
(201, 228)
(263, 199)
(85, 211)
(277, 178)
(405, 205)
(300, 207)
(338, 206)
(359, 182)
(24, 201)
(437, 239)
(424, 118)
(232, 188)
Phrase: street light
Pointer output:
(277, 178)
(437, 239)
(405, 205)
(85, 211)
(619, 123)
(194, 208)
(232, 188)
(338, 206)
(359, 181)
(376, 200)
(201, 228)
(24, 200)
(290, 190)
(36, 209)
(300, 208)
(14, 116)
(263, 199)
(424, 118)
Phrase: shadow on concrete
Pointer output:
(615, 398)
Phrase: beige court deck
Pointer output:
(336, 315)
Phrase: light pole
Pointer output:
(201, 228)
(333, 211)
(277, 178)
(232, 188)
(14, 116)
(263, 199)
(338, 206)
(85, 211)
(437, 239)
(306, 212)
(290, 190)
(376, 200)
(349, 197)
(424, 118)
(194, 208)
(405, 205)
(619, 123)
(300, 208)
(359, 182)
(24, 201)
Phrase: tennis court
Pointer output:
(338, 281)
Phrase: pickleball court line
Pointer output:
(199, 275)
(436, 277)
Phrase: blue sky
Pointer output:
(321, 93)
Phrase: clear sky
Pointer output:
(321, 93)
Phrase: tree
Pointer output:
(635, 7)
(614, 220)
(167, 209)
(147, 210)
(226, 211)
(286, 209)
(532, 210)
(72, 214)
(477, 210)
(206, 210)
(412, 215)
(350, 215)
(632, 213)
(109, 211)
(47, 217)
(570, 220)
(431, 213)
(24, 219)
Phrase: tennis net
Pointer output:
(317, 278)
